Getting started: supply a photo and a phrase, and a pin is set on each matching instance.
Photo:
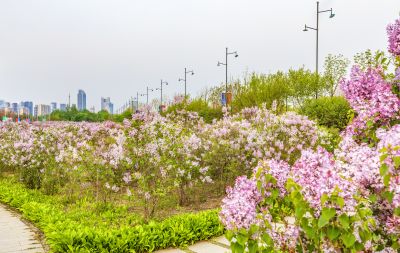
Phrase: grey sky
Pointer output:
(49, 48)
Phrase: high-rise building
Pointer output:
(111, 105)
(42, 110)
(53, 106)
(106, 105)
(81, 100)
(14, 107)
(63, 107)
(2, 104)
(28, 105)
(23, 111)
(92, 109)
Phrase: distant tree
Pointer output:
(304, 84)
(262, 90)
(335, 69)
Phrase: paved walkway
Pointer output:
(15, 235)
(216, 245)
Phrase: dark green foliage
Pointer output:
(200, 106)
(80, 231)
(332, 112)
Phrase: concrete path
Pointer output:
(216, 245)
(15, 235)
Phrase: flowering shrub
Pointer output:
(344, 201)
(151, 161)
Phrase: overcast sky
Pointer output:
(114, 48)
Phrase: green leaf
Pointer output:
(252, 246)
(386, 180)
(326, 215)
(348, 239)
(396, 161)
(332, 233)
(384, 169)
(344, 221)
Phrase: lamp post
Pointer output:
(137, 100)
(226, 71)
(147, 94)
(160, 89)
(180, 79)
(317, 37)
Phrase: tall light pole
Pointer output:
(147, 94)
(160, 89)
(137, 100)
(180, 79)
(317, 37)
(226, 71)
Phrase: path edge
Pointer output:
(39, 235)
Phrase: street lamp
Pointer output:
(317, 37)
(226, 71)
(137, 100)
(147, 94)
(180, 79)
(160, 89)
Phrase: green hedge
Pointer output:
(331, 112)
(65, 233)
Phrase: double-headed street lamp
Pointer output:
(226, 71)
(147, 94)
(186, 72)
(317, 37)
(160, 89)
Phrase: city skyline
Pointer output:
(105, 104)
(60, 48)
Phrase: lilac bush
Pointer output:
(345, 201)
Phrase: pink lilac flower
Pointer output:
(393, 31)
(285, 236)
(370, 95)
(239, 206)
(277, 169)
(397, 74)
(360, 163)
(316, 173)
(390, 142)
(392, 225)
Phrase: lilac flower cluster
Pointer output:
(370, 95)
(279, 170)
(316, 173)
(239, 206)
(393, 31)
(360, 163)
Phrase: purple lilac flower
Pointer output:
(239, 206)
(316, 173)
(393, 31)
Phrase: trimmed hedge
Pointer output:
(66, 233)
(331, 112)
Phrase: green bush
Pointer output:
(200, 106)
(85, 231)
(331, 112)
